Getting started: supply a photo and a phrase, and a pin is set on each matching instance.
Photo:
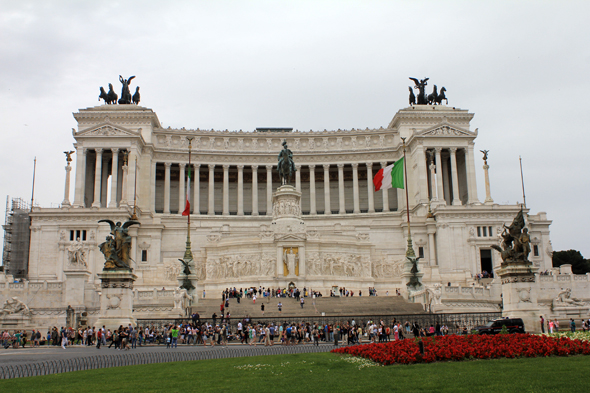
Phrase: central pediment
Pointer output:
(446, 129)
(106, 129)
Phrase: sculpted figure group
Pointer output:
(516, 242)
(110, 98)
(243, 265)
(117, 246)
(434, 98)
(14, 306)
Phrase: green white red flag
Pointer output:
(391, 176)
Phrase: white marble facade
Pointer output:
(342, 233)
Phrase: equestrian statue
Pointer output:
(286, 165)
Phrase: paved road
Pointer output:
(33, 355)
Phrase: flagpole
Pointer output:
(522, 181)
(188, 254)
(410, 250)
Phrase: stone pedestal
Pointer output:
(519, 294)
(116, 299)
(75, 282)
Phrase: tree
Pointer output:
(574, 258)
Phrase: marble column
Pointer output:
(153, 185)
(240, 190)
(298, 177)
(486, 168)
(196, 180)
(423, 174)
(124, 181)
(312, 205)
(385, 192)
(80, 186)
(433, 187)
(181, 192)
(211, 199)
(370, 188)
(66, 201)
(114, 177)
(97, 177)
(167, 188)
(327, 208)
(431, 248)
(254, 190)
(269, 190)
(355, 188)
(454, 177)
(225, 210)
(471, 182)
(341, 201)
(439, 176)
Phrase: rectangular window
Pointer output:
(485, 231)
(72, 236)
(420, 252)
(84, 235)
(77, 234)
(144, 255)
(478, 231)
(535, 250)
(490, 231)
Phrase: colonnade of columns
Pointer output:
(343, 198)
(92, 192)
(438, 181)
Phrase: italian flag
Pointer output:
(187, 207)
(391, 176)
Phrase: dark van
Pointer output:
(514, 325)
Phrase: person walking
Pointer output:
(262, 308)
(301, 302)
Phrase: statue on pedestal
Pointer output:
(77, 254)
(421, 86)
(117, 246)
(286, 165)
(516, 241)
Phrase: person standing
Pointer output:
(280, 306)
(572, 325)
(174, 335)
(262, 308)
(301, 302)
(64, 337)
(542, 324)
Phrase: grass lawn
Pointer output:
(322, 372)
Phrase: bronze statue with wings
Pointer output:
(421, 86)
(117, 245)
(69, 155)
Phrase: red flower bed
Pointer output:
(468, 347)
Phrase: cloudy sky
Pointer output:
(520, 67)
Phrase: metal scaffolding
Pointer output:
(15, 256)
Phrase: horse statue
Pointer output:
(286, 166)
(103, 95)
(421, 85)
(441, 96)
(412, 96)
(136, 96)
(111, 95)
(432, 96)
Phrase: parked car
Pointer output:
(514, 325)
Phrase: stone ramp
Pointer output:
(331, 306)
